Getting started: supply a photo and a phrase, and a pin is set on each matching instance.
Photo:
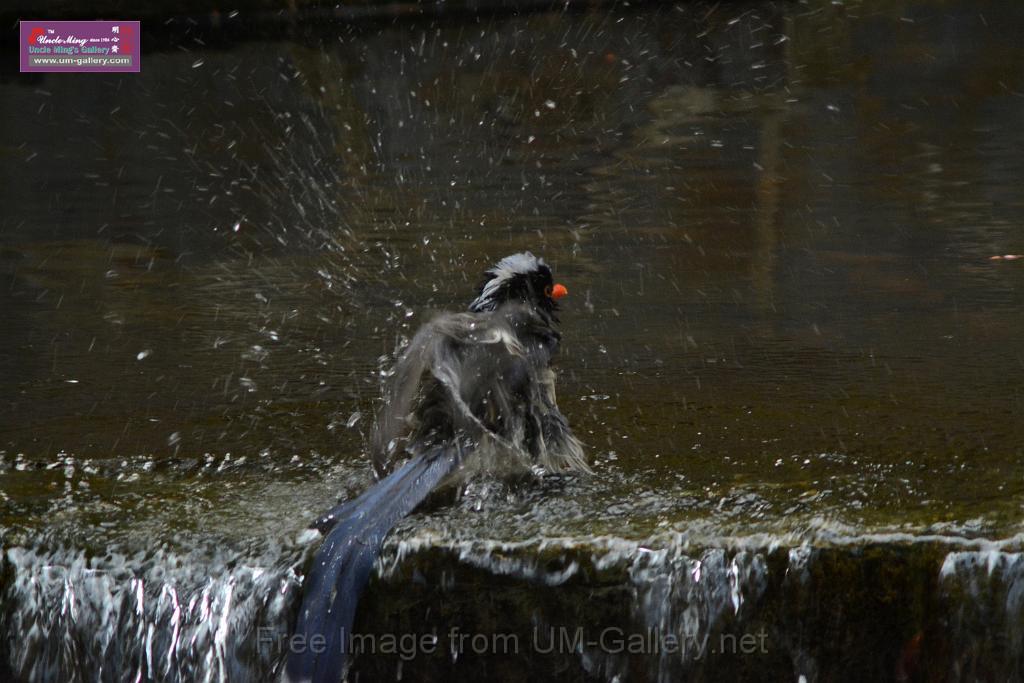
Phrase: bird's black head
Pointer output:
(519, 277)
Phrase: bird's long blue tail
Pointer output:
(354, 531)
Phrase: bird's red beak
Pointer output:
(558, 291)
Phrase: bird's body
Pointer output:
(472, 391)
(482, 376)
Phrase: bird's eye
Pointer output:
(547, 291)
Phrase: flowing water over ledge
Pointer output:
(795, 366)
(830, 607)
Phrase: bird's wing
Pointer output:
(400, 391)
(498, 388)
(561, 449)
(441, 349)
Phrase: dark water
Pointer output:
(787, 346)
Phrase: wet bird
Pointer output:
(472, 392)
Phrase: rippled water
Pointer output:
(785, 328)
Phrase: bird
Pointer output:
(472, 392)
